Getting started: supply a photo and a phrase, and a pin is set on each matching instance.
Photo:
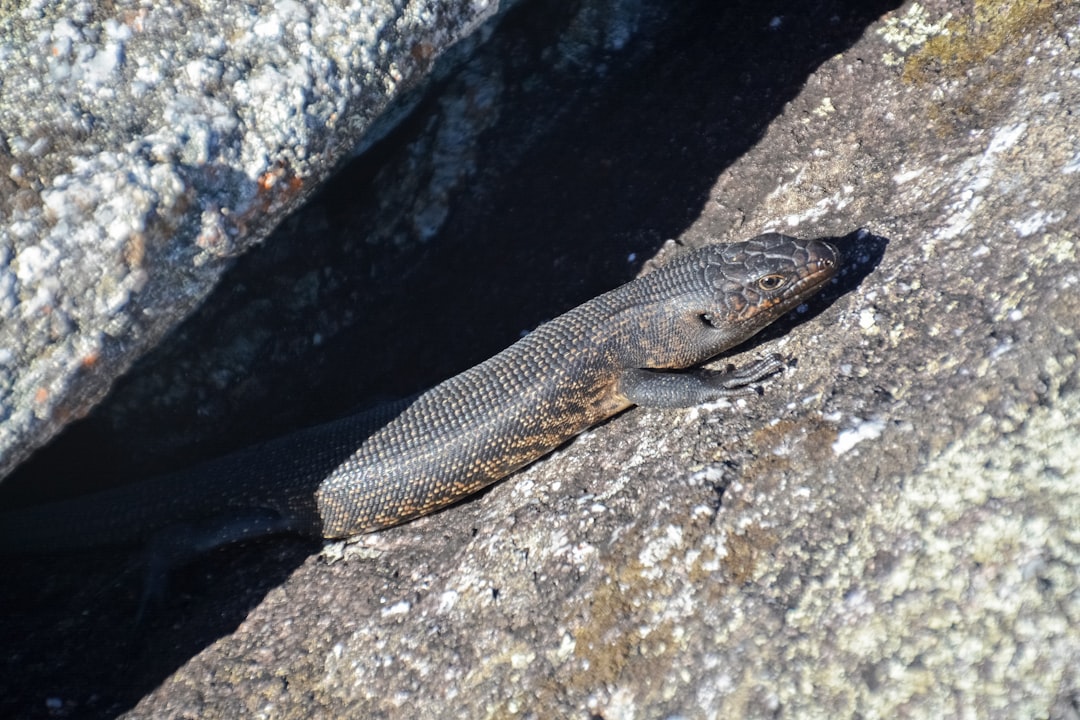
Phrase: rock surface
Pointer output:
(143, 146)
(888, 532)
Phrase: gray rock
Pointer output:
(143, 147)
(888, 531)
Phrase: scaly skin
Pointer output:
(367, 472)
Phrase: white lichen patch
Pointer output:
(1037, 221)
(661, 547)
(823, 208)
(911, 30)
(861, 430)
(980, 174)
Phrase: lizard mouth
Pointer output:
(821, 264)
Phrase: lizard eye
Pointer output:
(769, 283)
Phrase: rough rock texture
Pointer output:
(142, 145)
(888, 532)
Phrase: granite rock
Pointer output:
(887, 532)
(142, 147)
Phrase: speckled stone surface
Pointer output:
(143, 145)
(887, 532)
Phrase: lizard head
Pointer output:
(718, 296)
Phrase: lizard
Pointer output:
(630, 346)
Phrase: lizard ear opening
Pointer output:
(707, 319)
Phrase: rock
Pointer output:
(143, 148)
(887, 531)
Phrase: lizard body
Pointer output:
(367, 472)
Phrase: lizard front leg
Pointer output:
(650, 388)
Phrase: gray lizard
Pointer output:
(374, 470)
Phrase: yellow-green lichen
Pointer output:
(970, 40)
(985, 50)
(611, 644)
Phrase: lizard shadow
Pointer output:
(634, 166)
